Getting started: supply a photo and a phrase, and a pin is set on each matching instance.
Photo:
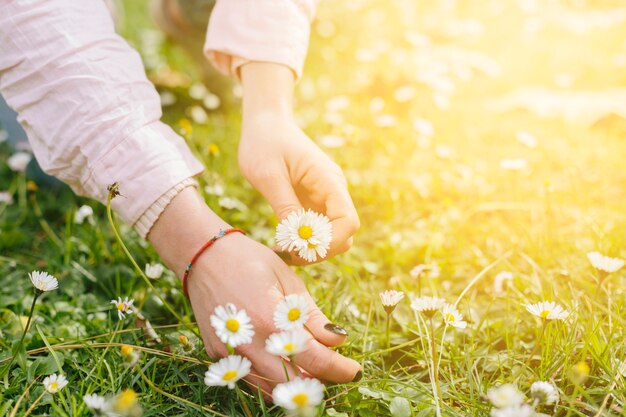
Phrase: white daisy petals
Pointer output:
(298, 394)
(123, 307)
(227, 371)
(547, 310)
(605, 263)
(54, 383)
(452, 317)
(288, 343)
(43, 281)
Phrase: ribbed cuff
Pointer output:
(152, 214)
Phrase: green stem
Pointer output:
(140, 271)
(19, 345)
(388, 325)
(294, 366)
(243, 400)
(435, 359)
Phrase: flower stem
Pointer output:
(294, 366)
(388, 325)
(19, 345)
(433, 344)
(243, 400)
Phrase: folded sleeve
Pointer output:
(259, 30)
(82, 96)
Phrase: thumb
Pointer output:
(322, 329)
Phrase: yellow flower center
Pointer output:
(126, 400)
(305, 232)
(294, 314)
(53, 386)
(126, 350)
(232, 325)
(450, 317)
(183, 339)
(289, 347)
(120, 306)
(300, 399)
(229, 376)
(544, 314)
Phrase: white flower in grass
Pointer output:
(19, 161)
(298, 394)
(547, 310)
(288, 343)
(306, 232)
(82, 213)
(231, 326)
(6, 197)
(227, 371)
(292, 312)
(505, 395)
(499, 281)
(427, 305)
(54, 383)
(43, 281)
(390, 299)
(95, 402)
(605, 263)
(518, 411)
(154, 271)
(123, 307)
(544, 392)
(452, 317)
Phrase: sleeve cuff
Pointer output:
(152, 214)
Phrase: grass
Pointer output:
(423, 198)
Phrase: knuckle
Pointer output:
(320, 360)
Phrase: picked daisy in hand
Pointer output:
(390, 299)
(428, 306)
(291, 313)
(227, 371)
(307, 232)
(54, 383)
(123, 307)
(233, 327)
(43, 281)
(288, 343)
(452, 317)
(544, 393)
(547, 310)
(298, 394)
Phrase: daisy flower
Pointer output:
(123, 307)
(130, 355)
(500, 280)
(306, 232)
(544, 392)
(19, 161)
(227, 371)
(506, 395)
(154, 271)
(95, 402)
(298, 394)
(54, 383)
(605, 263)
(452, 317)
(390, 299)
(288, 343)
(547, 310)
(427, 305)
(43, 281)
(292, 312)
(82, 213)
(231, 326)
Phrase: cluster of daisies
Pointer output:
(305, 232)
(509, 401)
(426, 305)
(234, 328)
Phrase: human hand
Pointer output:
(249, 275)
(283, 163)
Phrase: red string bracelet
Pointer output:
(204, 247)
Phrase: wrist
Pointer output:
(183, 227)
(267, 90)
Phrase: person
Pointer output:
(93, 119)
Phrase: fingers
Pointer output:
(322, 329)
(279, 192)
(326, 364)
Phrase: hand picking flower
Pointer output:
(307, 232)
(227, 371)
(292, 312)
(232, 326)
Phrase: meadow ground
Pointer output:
(477, 137)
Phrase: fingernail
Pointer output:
(358, 376)
(335, 328)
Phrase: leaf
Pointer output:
(369, 393)
(44, 366)
(400, 407)
(334, 413)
